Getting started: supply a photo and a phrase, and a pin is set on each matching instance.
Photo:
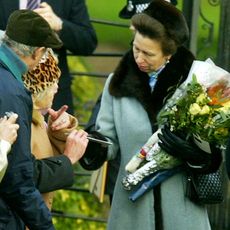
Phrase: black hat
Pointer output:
(136, 6)
(171, 18)
(132, 7)
(29, 28)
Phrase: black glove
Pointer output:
(186, 150)
(95, 154)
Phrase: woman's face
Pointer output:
(148, 53)
(44, 100)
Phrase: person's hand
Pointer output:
(189, 152)
(95, 154)
(177, 146)
(76, 144)
(8, 128)
(59, 119)
(46, 11)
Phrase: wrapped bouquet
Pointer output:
(200, 108)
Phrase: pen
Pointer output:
(98, 140)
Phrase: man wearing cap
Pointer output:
(26, 39)
(70, 19)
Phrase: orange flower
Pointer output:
(219, 93)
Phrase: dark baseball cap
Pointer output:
(29, 28)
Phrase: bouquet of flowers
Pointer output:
(200, 107)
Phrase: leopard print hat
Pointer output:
(44, 75)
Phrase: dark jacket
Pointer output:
(17, 189)
(77, 34)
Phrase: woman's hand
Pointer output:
(76, 144)
(59, 119)
(8, 128)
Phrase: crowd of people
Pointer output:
(23, 53)
(37, 154)
(70, 20)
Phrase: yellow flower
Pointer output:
(204, 110)
(197, 113)
(194, 109)
(227, 104)
(222, 132)
(201, 98)
(225, 107)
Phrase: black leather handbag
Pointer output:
(205, 188)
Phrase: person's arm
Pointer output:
(4, 149)
(17, 187)
(56, 172)
(196, 159)
(105, 123)
(8, 134)
(53, 173)
(8, 128)
(96, 154)
(75, 30)
(60, 125)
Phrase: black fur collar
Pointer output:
(129, 81)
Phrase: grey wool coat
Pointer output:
(127, 117)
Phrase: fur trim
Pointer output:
(129, 81)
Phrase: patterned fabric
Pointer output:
(138, 7)
(32, 4)
(141, 7)
(44, 75)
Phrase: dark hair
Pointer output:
(153, 29)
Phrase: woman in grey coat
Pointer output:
(133, 95)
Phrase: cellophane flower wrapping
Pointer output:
(200, 107)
